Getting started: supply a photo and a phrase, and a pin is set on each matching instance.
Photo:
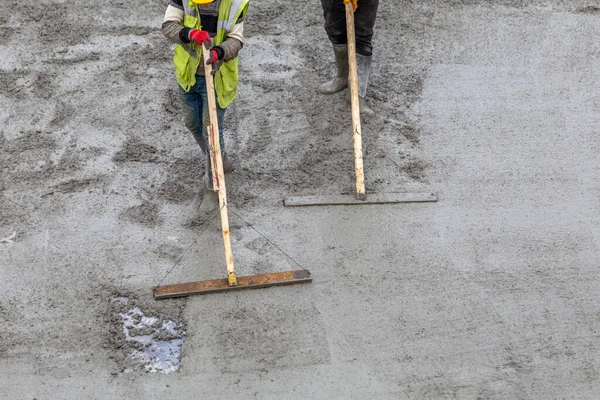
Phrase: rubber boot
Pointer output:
(340, 82)
(227, 165)
(210, 198)
(363, 66)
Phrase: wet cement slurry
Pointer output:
(489, 293)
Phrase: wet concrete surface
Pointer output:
(489, 293)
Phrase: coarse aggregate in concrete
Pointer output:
(489, 293)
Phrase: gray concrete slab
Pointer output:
(489, 293)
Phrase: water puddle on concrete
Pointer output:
(156, 342)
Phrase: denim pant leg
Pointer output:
(195, 113)
(197, 118)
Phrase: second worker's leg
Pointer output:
(364, 21)
(334, 13)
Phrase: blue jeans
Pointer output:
(196, 116)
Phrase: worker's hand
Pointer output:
(200, 37)
(354, 3)
(216, 54)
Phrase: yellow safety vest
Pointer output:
(188, 56)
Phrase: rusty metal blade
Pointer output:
(221, 285)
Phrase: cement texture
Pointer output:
(490, 293)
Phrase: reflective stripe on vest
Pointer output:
(228, 25)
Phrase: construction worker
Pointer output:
(365, 13)
(220, 25)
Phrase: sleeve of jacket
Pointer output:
(172, 26)
(234, 42)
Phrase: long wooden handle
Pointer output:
(353, 76)
(217, 164)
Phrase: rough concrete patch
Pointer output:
(155, 55)
(171, 103)
(10, 238)
(63, 114)
(146, 214)
(410, 132)
(5, 32)
(43, 85)
(399, 93)
(405, 129)
(186, 171)
(259, 245)
(274, 68)
(55, 24)
(415, 169)
(133, 30)
(262, 17)
(201, 220)
(77, 185)
(10, 85)
(65, 60)
(135, 150)
(184, 180)
(270, 336)
(27, 159)
(589, 10)
(173, 192)
(30, 141)
(169, 251)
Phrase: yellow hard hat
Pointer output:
(203, 1)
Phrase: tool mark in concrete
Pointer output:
(184, 179)
(270, 336)
(77, 185)
(589, 10)
(415, 169)
(169, 251)
(175, 193)
(11, 83)
(171, 104)
(63, 114)
(55, 24)
(32, 159)
(146, 214)
(61, 60)
(43, 86)
(134, 150)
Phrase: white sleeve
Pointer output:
(173, 14)
(237, 32)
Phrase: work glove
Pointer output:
(354, 3)
(199, 37)
(216, 54)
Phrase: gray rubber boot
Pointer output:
(227, 165)
(210, 198)
(210, 201)
(340, 82)
(363, 66)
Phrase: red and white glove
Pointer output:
(216, 54)
(199, 37)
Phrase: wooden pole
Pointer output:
(217, 165)
(353, 78)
